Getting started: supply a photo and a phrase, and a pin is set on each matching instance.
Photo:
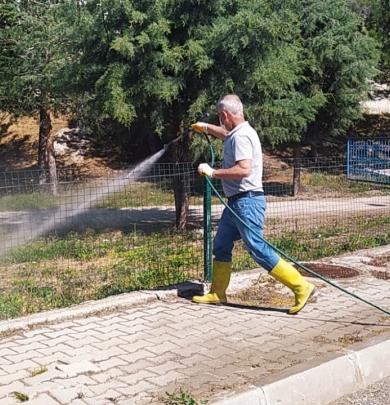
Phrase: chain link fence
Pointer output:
(100, 237)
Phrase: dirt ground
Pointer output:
(19, 149)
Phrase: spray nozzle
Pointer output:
(168, 145)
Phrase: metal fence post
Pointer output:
(207, 231)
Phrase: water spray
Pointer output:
(170, 144)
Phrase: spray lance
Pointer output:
(170, 144)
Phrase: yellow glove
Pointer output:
(205, 170)
(200, 127)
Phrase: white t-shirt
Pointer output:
(240, 144)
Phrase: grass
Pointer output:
(57, 272)
(21, 202)
(158, 194)
(338, 183)
(134, 196)
(350, 234)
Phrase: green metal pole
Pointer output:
(207, 232)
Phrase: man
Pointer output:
(241, 176)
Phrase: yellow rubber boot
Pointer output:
(219, 285)
(291, 278)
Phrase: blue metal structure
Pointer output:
(368, 159)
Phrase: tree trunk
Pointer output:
(46, 158)
(314, 150)
(297, 168)
(152, 141)
(51, 164)
(181, 184)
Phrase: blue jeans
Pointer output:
(251, 210)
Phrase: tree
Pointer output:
(30, 63)
(383, 24)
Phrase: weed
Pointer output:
(39, 371)
(350, 338)
(182, 398)
(20, 396)
(381, 275)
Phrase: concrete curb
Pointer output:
(85, 309)
(322, 381)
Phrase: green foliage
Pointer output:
(383, 22)
(342, 57)
(30, 59)
(376, 17)
(182, 397)
(20, 396)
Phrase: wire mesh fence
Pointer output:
(108, 236)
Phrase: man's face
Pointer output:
(224, 120)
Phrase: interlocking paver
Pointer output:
(45, 399)
(85, 341)
(109, 376)
(111, 363)
(6, 351)
(8, 389)
(162, 348)
(14, 368)
(137, 336)
(131, 390)
(77, 367)
(69, 395)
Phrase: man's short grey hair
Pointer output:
(231, 104)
